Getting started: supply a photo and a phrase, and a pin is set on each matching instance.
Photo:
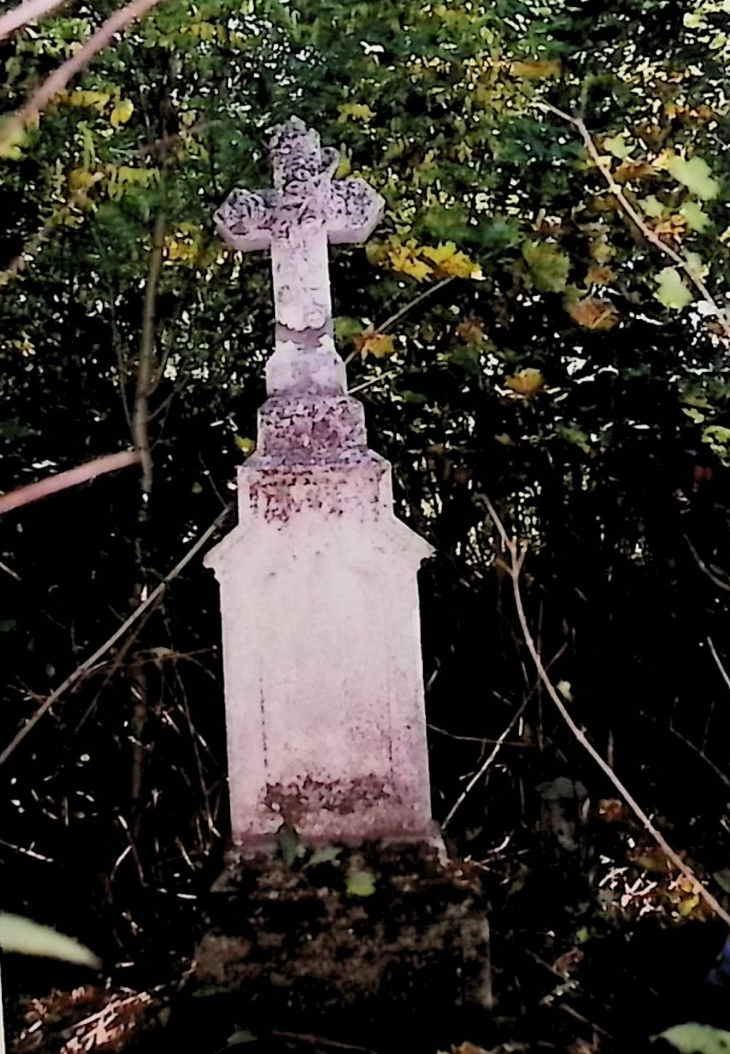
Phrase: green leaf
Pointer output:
(697, 219)
(617, 145)
(693, 1038)
(651, 205)
(7, 625)
(694, 174)
(549, 265)
(346, 328)
(671, 290)
(237, 1039)
(325, 855)
(360, 884)
(25, 937)
(289, 844)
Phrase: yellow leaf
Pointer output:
(122, 112)
(95, 100)
(451, 262)
(13, 137)
(246, 445)
(377, 344)
(360, 884)
(357, 111)
(526, 382)
(538, 69)
(402, 258)
(593, 313)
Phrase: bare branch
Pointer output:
(685, 265)
(24, 13)
(60, 77)
(63, 480)
(79, 672)
(145, 372)
(513, 568)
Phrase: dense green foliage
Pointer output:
(560, 362)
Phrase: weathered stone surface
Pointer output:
(321, 638)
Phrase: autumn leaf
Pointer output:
(377, 344)
(549, 265)
(694, 174)
(122, 112)
(403, 258)
(600, 274)
(247, 446)
(471, 330)
(629, 170)
(671, 290)
(538, 69)
(594, 313)
(356, 111)
(360, 884)
(450, 261)
(527, 382)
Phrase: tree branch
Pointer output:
(24, 13)
(60, 77)
(78, 673)
(63, 480)
(145, 370)
(694, 277)
(517, 554)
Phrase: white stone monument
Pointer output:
(321, 638)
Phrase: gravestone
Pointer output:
(321, 639)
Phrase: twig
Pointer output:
(60, 77)
(700, 753)
(314, 1041)
(398, 315)
(63, 480)
(653, 238)
(517, 554)
(413, 303)
(483, 768)
(9, 571)
(499, 743)
(718, 662)
(24, 13)
(704, 568)
(154, 596)
(145, 377)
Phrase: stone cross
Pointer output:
(321, 637)
(295, 221)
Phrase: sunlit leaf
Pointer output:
(122, 112)
(360, 884)
(694, 173)
(617, 145)
(671, 290)
(376, 344)
(694, 1038)
(526, 382)
(697, 219)
(25, 937)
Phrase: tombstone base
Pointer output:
(346, 937)
(242, 854)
